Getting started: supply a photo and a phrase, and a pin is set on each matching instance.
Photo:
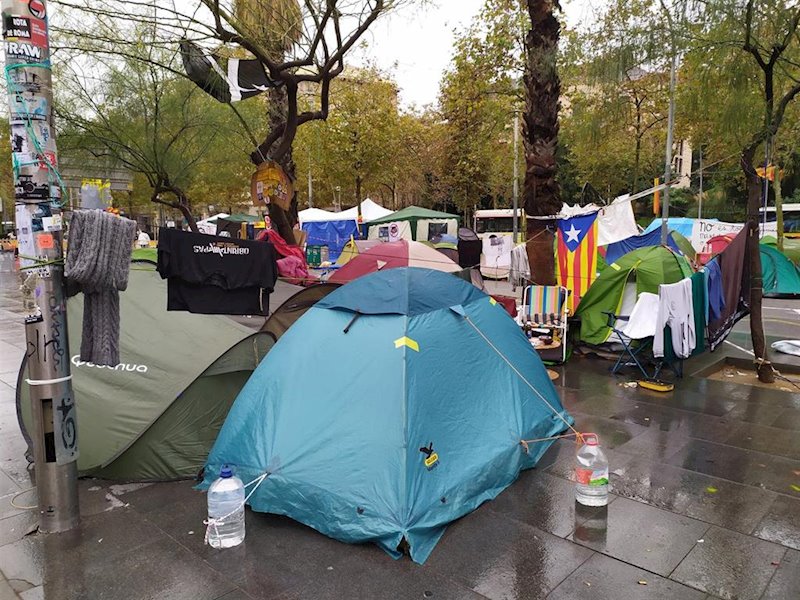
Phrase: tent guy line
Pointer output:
(521, 376)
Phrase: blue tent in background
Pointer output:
(384, 413)
(682, 225)
(619, 249)
(333, 234)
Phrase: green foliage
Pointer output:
(479, 96)
(163, 128)
(366, 147)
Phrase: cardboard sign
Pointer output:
(270, 183)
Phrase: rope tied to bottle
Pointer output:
(215, 522)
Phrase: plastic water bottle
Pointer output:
(226, 510)
(591, 473)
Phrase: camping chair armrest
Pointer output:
(612, 318)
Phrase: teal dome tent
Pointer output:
(390, 409)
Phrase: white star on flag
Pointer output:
(572, 234)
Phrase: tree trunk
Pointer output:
(282, 221)
(541, 194)
(753, 255)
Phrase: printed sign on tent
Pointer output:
(703, 231)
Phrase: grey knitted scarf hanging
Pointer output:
(98, 259)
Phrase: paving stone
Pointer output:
(98, 540)
(161, 569)
(600, 405)
(237, 595)
(644, 536)
(695, 495)
(740, 465)
(655, 444)
(730, 565)
(148, 498)
(36, 593)
(368, 572)
(604, 578)
(673, 420)
(543, 501)
(785, 582)
(16, 527)
(782, 523)
(770, 440)
(501, 558)
(278, 555)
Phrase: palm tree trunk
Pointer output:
(282, 221)
(541, 194)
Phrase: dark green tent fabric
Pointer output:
(650, 267)
(781, 277)
(156, 414)
(413, 213)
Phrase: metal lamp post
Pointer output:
(37, 194)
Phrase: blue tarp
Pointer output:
(416, 423)
(333, 234)
(653, 238)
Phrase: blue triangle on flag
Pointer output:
(575, 229)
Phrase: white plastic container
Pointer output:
(591, 473)
(226, 510)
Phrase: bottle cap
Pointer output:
(226, 472)
(590, 439)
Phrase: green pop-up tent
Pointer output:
(646, 268)
(156, 414)
(781, 278)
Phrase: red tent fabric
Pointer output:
(391, 255)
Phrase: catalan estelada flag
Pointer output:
(577, 256)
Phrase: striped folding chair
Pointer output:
(545, 309)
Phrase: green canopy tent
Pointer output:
(781, 278)
(156, 414)
(424, 224)
(644, 269)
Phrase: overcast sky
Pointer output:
(416, 45)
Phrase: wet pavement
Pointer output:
(705, 504)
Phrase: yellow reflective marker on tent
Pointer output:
(406, 341)
(492, 300)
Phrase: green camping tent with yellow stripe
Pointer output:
(647, 268)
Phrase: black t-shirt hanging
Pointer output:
(216, 275)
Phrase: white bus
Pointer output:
(499, 222)
(791, 218)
